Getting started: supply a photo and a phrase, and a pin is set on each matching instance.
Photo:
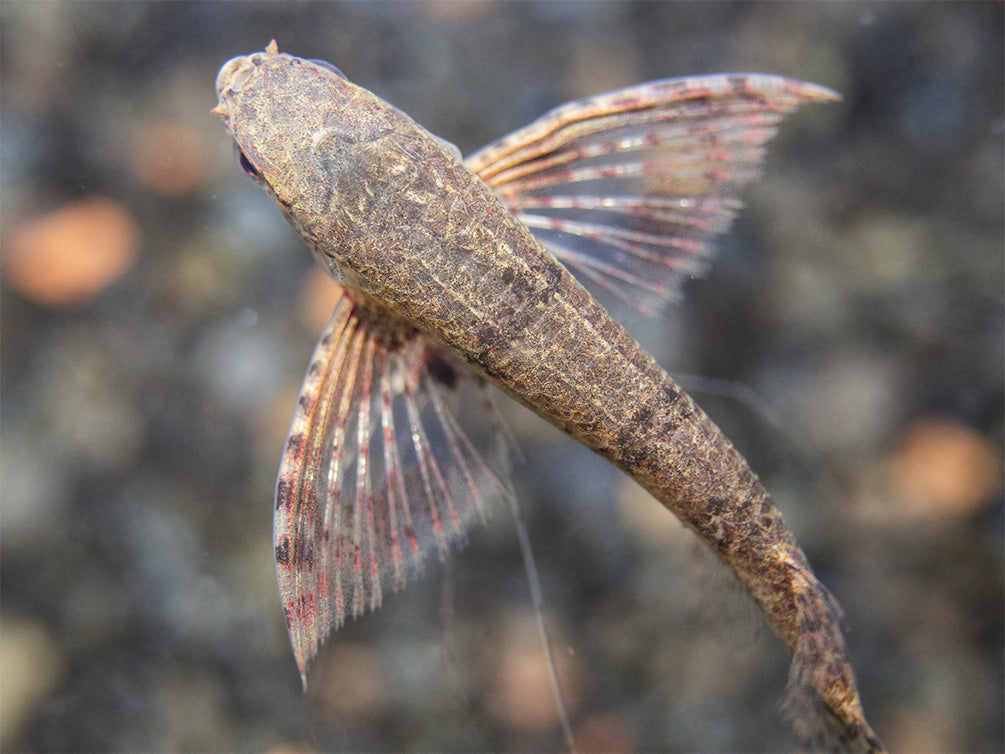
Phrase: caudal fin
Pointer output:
(821, 698)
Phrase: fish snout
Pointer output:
(235, 74)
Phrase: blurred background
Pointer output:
(158, 316)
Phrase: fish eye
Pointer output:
(246, 166)
(328, 66)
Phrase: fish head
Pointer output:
(333, 155)
(282, 111)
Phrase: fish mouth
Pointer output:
(235, 74)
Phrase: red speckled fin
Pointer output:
(627, 188)
(393, 451)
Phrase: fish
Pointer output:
(461, 273)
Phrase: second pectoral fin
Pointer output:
(394, 450)
(628, 188)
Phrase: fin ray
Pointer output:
(380, 469)
(641, 178)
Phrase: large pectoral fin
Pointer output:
(393, 451)
(627, 188)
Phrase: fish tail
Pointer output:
(821, 698)
(708, 485)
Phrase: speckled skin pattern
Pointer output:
(414, 235)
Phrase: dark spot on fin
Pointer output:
(303, 553)
(283, 551)
(284, 493)
(294, 443)
(439, 368)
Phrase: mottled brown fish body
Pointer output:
(479, 282)
(403, 221)
(394, 215)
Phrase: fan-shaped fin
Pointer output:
(627, 188)
(393, 451)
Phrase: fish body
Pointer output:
(449, 265)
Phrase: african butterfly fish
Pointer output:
(456, 272)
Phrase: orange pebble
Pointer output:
(608, 733)
(291, 747)
(320, 294)
(69, 255)
(169, 159)
(522, 694)
(944, 468)
(368, 699)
